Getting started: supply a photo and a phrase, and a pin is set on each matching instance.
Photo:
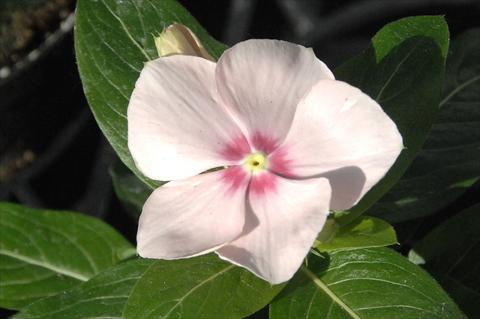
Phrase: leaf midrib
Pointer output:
(458, 89)
(45, 264)
(180, 300)
(203, 282)
(321, 285)
(394, 73)
(127, 31)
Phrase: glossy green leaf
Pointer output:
(450, 159)
(104, 296)
(375, 283)
(364, 232)
(202, 287)
(113, 39)
(403, 71)
(451, 252)
(130, 190)
(45, 252)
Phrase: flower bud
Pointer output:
(178, 39)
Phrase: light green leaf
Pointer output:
(202, 287)
(451, 252)
(372, 283)
(403, 71)
(45, 252)
(130, 190)
(364, 232)
(450, 159)
(104, 296)
(113, 39)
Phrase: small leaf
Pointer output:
(104, 296)
(113, 39)
(403, 71)
(449, 162)
(372, 283)
(364, 232)
(44, 252)
(451, 252)
(202, 287)
(131, 191)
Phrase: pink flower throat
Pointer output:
(262, 181)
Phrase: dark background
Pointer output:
(52, 153)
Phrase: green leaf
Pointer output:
(451, 252)
(131, 191)
(202, 287)
(104, 296)
(113, 39)
(403, 71)
(45, 252)
(449, 161)
(364, 232)
(372, 283)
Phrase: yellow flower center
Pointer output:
(255, 162)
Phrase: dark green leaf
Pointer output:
(45, 252)
(372, 283)
(451, 252)
(104, 296)
(450, 159)
(131, 191)
(113, 39)
(202, 287)
(364, 232)
(403, 71)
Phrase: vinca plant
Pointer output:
(264, 184)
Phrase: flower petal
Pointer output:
(176, 129)
(342, 134)
(262, 81)
(281, 227)
(192, 217)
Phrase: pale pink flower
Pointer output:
(292, 142)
